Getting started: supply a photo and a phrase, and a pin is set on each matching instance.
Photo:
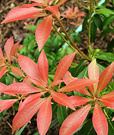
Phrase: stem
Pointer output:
(80, 52)
(63, 38)
(81, 5)
(89, 36)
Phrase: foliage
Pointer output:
(41, 78)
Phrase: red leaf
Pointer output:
(93, 72)
(74, 121)
(44, 117)
(30, 99)
(17, 71)
(108, 99)
(20, 88)
(62, 99)
(5, 104)
(53, 9)
(99, 121)
(105, 77)
(43, 31)
(67, 78)
(56, 83)
(2, 71)
(41, 2)
(63, 66)
(26, 113)
(76, 84)
(30, 68)
(2, 85)
(8, 45)
(61, 2)
(43, 67)
(27, 80)
(20, 13)
(13, 49)
(77, 101)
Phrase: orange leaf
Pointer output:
(44, 117)
(74, 121)
(99, 121)
(63, 66)
(62, 99)
(43, 31)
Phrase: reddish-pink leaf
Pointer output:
(74, 121)
(17, 71)
(21, 12)
(53, 9)
(20, 88)
(43, 31)
(105, 77)
(13, 50)
(108, 99)
(30, 68)
(8, 45)
(26, 113)
(2, 71)
(27, 80)
(2, 85)
(77, 101)
(61, 2)
(93, 72)
(67, 78)
(63, 66)
(5, 104)
(41, 2)
(30, 99)
(44, 117)
(56, 83)
(62, 99)
(43, 67)
(113, 119)
(76, 85)
(99, 121)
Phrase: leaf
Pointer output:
(56, 83)
(74, 121)
(20, 13)
(104, 11)
(2, 71)
(61, 113)
(68, 78)
(30, 68)
(17, 71)
(2, 85)
(87, 129)
(43, 31)
(76, 84)
(30, 99)
(43, 67)
(108, 20)
(13, 50)
(78, 101)
(8, 45)
(93, 72)
(62, 99)
(99, 121)
(63, 66)
(5, 104)
(105, 77)
(20, 88)
(21, 130)
(93, 31)
(61, 2)
(25, 114)
(53, 9)
(108, 99)
(44, 117)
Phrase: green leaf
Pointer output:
(106, 56)
(108, 20)
(19, 131)
(104, 11)
(61, 114)
(98, 21)
(83, 73)
(110, 46)
(87, 129)
(85, 23)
